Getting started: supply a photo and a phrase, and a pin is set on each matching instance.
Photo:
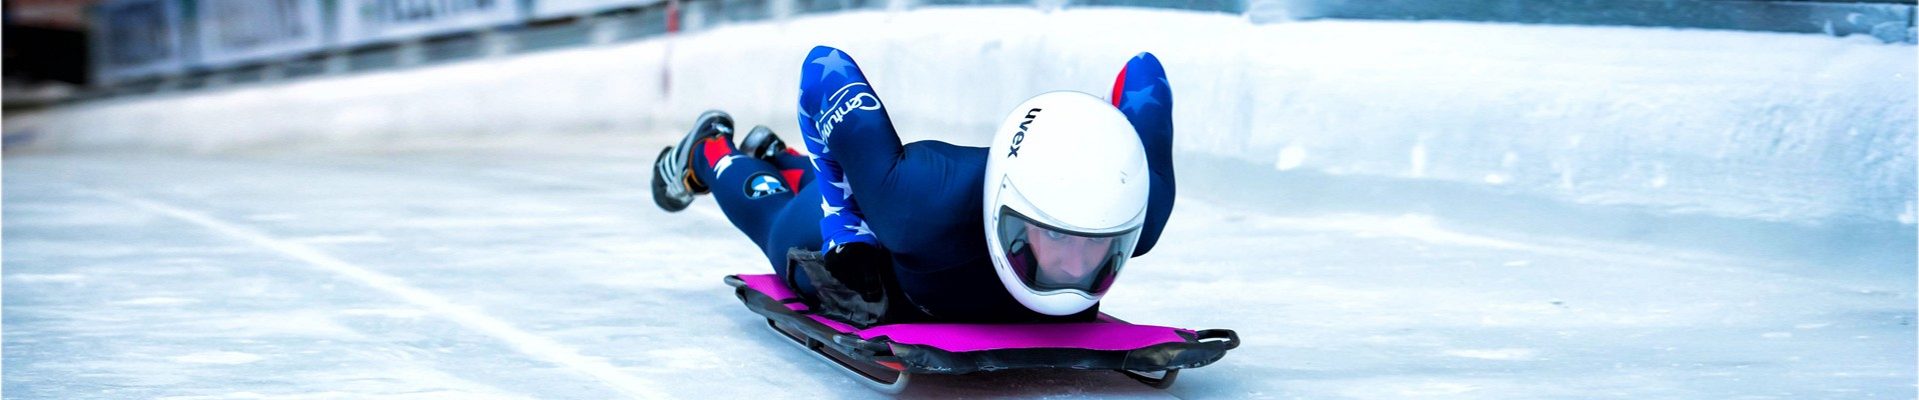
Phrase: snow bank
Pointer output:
(1777, 127)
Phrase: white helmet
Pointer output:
(1066, 187)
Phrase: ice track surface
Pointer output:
(538, 268)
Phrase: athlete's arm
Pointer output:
(851, 139)
(1143, 94)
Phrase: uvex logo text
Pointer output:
(1021, 136)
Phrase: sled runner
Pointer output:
(885, 356)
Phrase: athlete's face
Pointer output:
(1066, 258)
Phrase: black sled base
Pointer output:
(886, 356)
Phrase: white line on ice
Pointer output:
(530, 344)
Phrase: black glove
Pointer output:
(848, 282)
(858, 265)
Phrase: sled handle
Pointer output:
(870, 348)
(1226, 338)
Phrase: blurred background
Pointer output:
(136, 45)
(1396, 198)
(211, 75)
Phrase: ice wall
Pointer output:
(1776, 127)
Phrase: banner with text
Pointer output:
(238, 31)
(368, 21)
(543, 9)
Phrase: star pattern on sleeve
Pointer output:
(822, 142)
(1137, 99)
(861, 229)
(846, 190)
(833, 63)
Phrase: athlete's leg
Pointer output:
(763, 144)
(795, 167)
(757, 198)
(797, 223)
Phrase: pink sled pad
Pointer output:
(1108, 334)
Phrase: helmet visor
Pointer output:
(1049, 259)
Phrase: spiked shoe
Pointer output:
(674, 184)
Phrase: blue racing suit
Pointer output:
(920, 201)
